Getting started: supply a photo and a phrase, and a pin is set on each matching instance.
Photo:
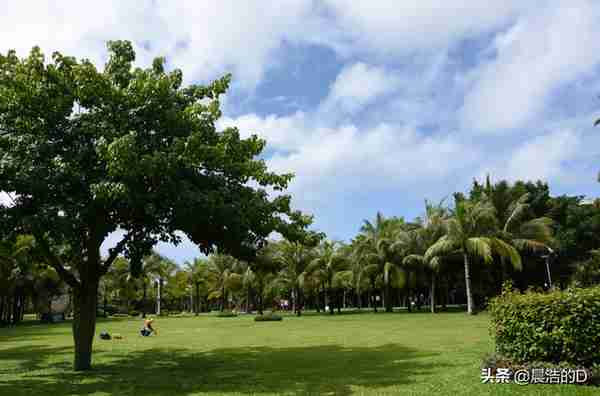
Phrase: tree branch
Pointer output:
(113, 253)
(54, 262)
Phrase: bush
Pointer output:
(109, 309)
(101, 313)
(121, 315)
(134, 313)
(560, 326)
(226, 314)
(268, 317)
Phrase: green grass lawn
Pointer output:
(364, 354)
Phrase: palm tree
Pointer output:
(358, 259)
(155, 266)
(294, 258)
(383, 247)
(326, 266)
(470, 233)
(430, 230)
(199, 275)
(533, 235)
(222, 272)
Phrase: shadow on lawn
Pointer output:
(302, 370)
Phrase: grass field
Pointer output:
(364, 354)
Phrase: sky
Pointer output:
(373, 105)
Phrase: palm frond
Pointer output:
(442, 247)
(413, 260)
(507, 251)
(479, 247)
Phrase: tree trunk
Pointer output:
(2, 298)
(388, 298)
(223, 299)
(468, 285)
(144, 298)
(432, 294)
(374, 302)
(298, 301)
(261, 291)
(197, 307)
(84, 323)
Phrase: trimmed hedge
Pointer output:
(134, 313)
(268, 317)
(226, 314)
(559, 326)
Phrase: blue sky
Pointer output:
(374, 105)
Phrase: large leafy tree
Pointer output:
(470, 232)
(85, 152)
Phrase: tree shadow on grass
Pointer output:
(331, 369)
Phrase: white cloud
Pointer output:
(535, 56)
(543, 157)
(205, 39)
(389, 27)
(357, 86)
(328, 160)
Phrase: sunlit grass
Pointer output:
(366, 354)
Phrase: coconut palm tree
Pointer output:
(199, 275)
(470, 232)
(222, 270)
(294, 258)
(384, 245)
(533, 235)
(328, 263)
(431, 229)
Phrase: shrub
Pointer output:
(134, 313)
(268, 317)
(120, 315)
(226, 314)
(559, 326)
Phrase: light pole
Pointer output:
(547, 257)
(158, 296)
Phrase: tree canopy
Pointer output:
(85, 152)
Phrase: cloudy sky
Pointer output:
(374, 105)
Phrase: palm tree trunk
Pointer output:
(432, 294)
(468, 285)
(197, 298)
(223, 299)
(299, 301)
(388, 298)
(373, 296)
(331, 298)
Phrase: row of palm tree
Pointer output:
(387, 255)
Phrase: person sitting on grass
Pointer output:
(148, 329)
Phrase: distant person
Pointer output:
(148, 329)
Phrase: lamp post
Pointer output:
(547, 257)
(158, 282)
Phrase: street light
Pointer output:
(547, 257)
(158, 282)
